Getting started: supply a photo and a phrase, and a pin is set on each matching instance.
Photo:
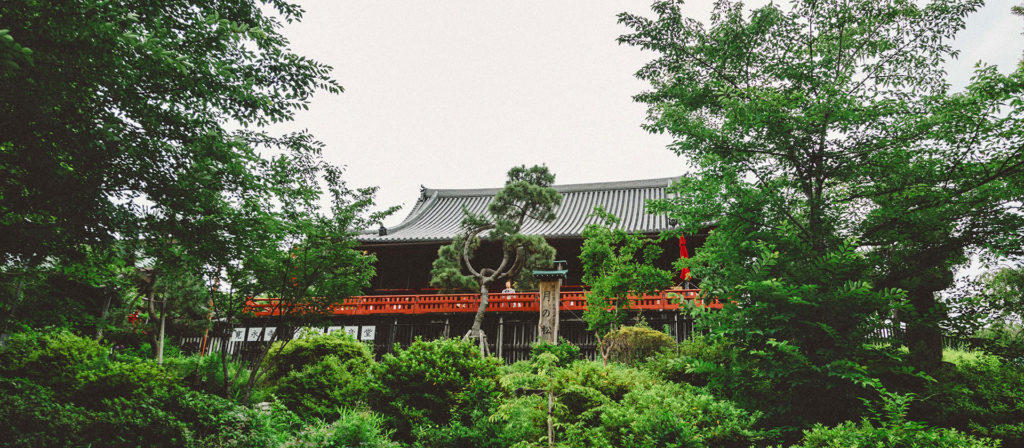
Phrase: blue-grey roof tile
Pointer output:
(438, 213)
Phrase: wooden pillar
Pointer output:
(501, 336)
(392, 335)
(550, 298)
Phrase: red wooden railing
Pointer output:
(467, 303)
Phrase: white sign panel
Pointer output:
(368, 332)
(352, 331)
(237, 334)
(254, 334)
(332, 330)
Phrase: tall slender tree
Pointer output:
(304, 260)
(616, 264)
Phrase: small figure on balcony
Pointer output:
(508, 288)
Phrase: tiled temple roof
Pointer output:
(438, 213)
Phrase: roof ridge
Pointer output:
(566, 188)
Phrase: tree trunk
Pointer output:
(224, 364)
(154, 341)
(924, 334)
(478, 321)
(551, 419)
(18, 292)
(255, 366)
(477, 332)
(163, 321)
(924, 337)
(103, 314)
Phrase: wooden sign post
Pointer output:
(550, 298)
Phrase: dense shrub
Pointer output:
(1005, 340)
(318, 390)
(206, 374)
(51, 358)
(667, 415)
(889, 427)
(470, 425)
(778, 380)
(690, 361)
(119, 379)
(424, 383)
(613, 406)
(34, 417)
(908, 435)
(631, 345)
(315, 375)
(984, 397)
(349, 429)
(293, 355)
(565, 351)
(39, 417)
(586, 385)
(91, 401)
(220, 423)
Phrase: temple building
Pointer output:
(405, 252)
(402, 306)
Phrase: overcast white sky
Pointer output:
(450, 94)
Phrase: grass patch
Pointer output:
(960, 356)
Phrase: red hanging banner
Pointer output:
(683, 253)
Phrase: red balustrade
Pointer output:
(468, 303)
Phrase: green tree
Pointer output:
(828, 124)
(106, 103)
(527, 195)
(308, 263)
(616, 264)
(128, 119)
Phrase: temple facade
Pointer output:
(406, 251)
(402, 306)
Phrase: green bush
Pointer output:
(294, 355)
(318, 390)
(1005, 340)
(614, 406)
(426, 383)
(315, 375)
(632, 345)
(90, 401)
(984, 397)
(565, 351)
(124, 379)
(470, 425)
(350, 429)
(36, 416)
(206, 374)
(777, 379)
(908, 435)
(666, 415)
(52, 358)
(586, 385)
(33, 416)
(690, 361)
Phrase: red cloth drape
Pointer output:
(683, 253)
